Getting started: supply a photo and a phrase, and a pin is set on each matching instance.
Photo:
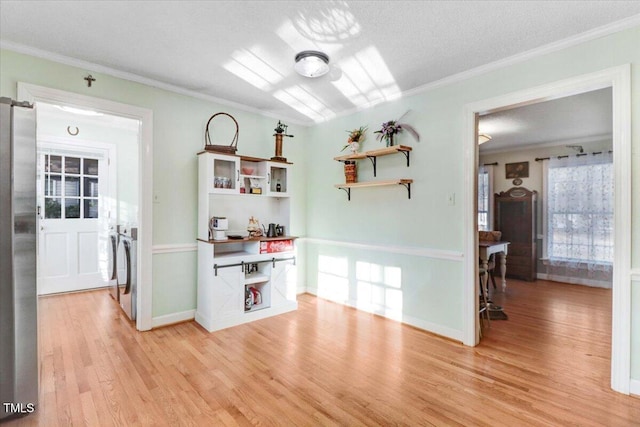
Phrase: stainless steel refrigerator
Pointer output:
(19, 366)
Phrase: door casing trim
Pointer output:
(619, 80)
(34, 93)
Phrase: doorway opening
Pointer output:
(142, 163)
(618, 79)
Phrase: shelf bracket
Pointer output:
(374, 161)
(408, 187)
(348, 191)
(407, 154)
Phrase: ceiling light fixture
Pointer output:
(483, 137)
(311, 63)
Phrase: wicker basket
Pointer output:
(227, 149)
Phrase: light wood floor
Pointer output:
(330, 365)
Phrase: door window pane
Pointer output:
(72, 165)
(90, 208)
(72, 191)
(72, 186)
(90, 166)
(52, 208)
(91, 187)
(72, 208)
(53, 185)
(53, 164)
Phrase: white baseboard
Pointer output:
(169, 319)
(402, 318)
(634, 387)
(573, 280)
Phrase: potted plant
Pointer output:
(356, 137)
(392, 127)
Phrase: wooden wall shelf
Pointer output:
(374, 154)
(347, 187)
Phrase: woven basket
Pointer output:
(227, 149)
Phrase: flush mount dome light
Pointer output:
(311, 63)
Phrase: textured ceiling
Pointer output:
(576, 119)
(242, 52)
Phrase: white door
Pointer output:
(73, 238)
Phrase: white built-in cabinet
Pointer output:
(228, 270)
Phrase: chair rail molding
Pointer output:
(174, 248)
(402, 250)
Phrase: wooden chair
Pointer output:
(483, 306)
(491, 236)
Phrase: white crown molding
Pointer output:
(561, 142)
(90, 66)
(602, 31)
(595, 33)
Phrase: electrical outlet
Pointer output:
(451, 199)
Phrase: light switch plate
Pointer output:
(451, 199)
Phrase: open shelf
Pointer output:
(404, 182)
(232, 254)
(374, 154)
(250, 279)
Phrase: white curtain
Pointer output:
(580, 202)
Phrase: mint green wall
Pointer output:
(398, 286)
(380, 216)
(383, 216)
(178, 134)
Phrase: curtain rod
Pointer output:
(577, 155)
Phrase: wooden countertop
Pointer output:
(246, 239)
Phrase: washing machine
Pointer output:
(113, 264)
(128, 270)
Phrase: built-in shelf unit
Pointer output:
(243, 279)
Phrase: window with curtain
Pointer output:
(485, 200)
(580, 203)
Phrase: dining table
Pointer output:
(486, 249)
